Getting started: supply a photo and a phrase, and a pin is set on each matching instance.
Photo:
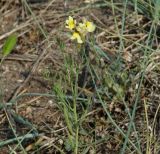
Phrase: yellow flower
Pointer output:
(76, 36)
(71, 23)
(82, 28)
(90, 26)
(80, 31)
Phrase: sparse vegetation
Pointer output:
(82, 77)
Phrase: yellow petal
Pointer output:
(70, 18)
(71, 23)
(74, 36)
(79, 40)
(67, 21)
(90, 26)
(82, 28)
(77, 37)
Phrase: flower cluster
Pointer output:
(79, 31)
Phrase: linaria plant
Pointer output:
(80, 33)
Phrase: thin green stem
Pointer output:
(108, 114)
(145, 62)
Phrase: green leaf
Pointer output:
(9, 45)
